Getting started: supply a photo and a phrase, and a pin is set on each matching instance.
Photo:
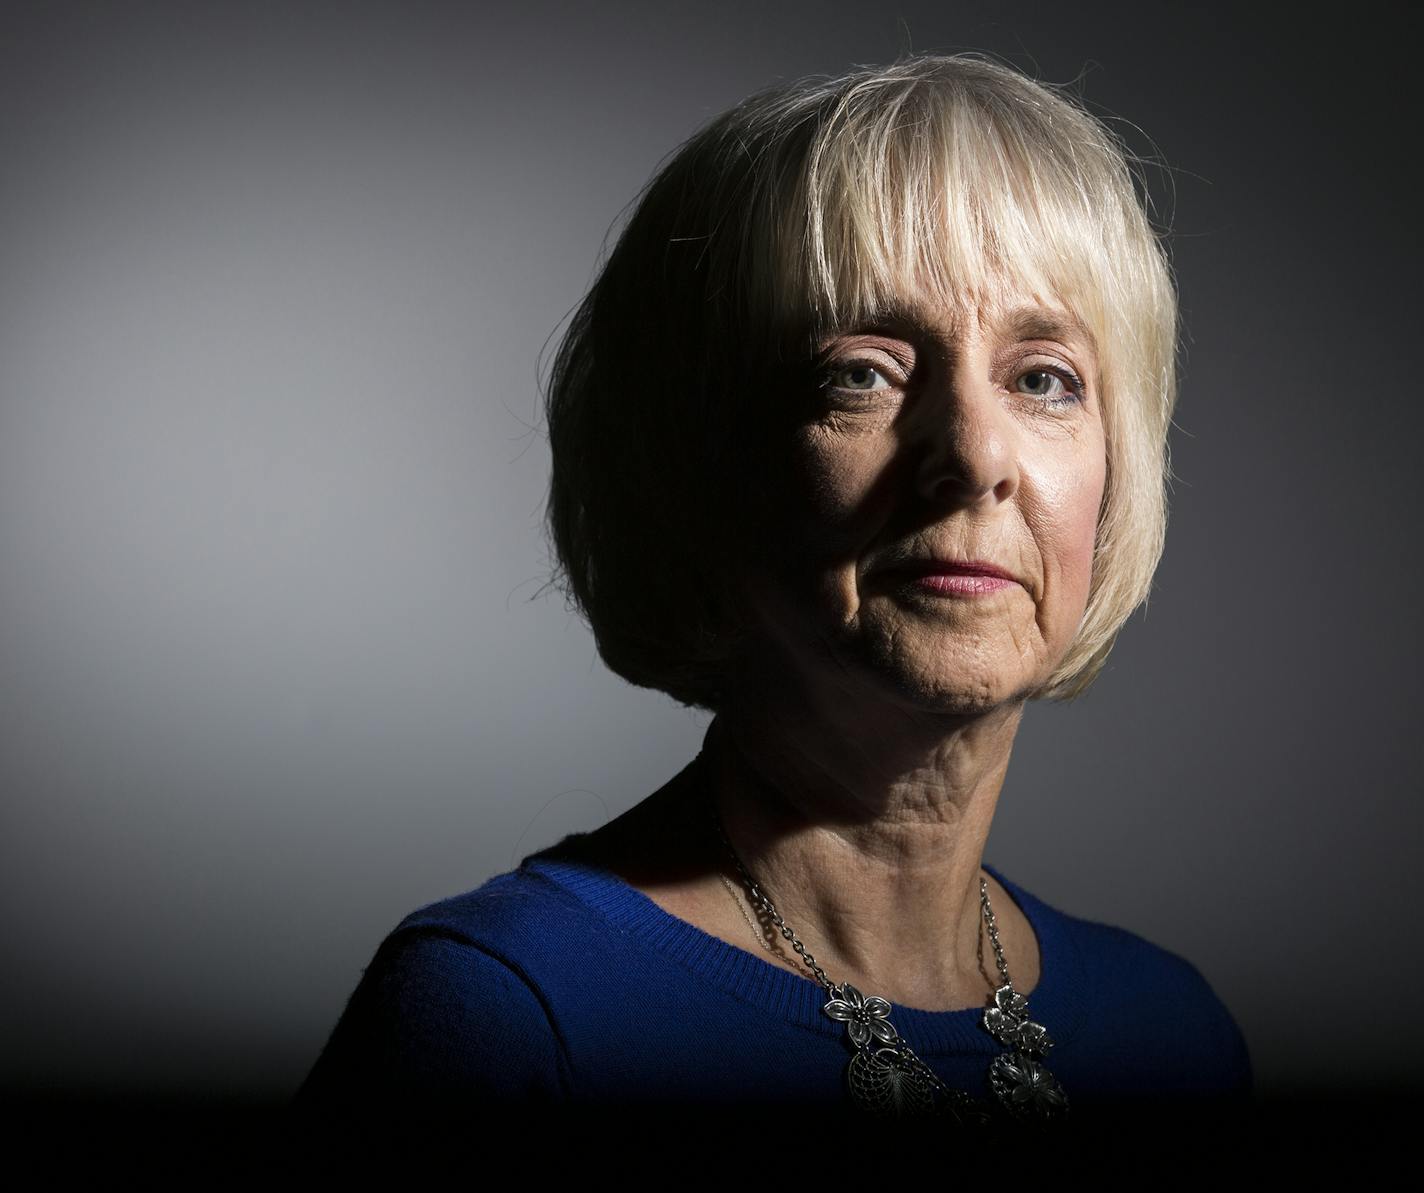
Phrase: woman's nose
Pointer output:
(967, 444)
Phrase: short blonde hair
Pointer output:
(804, 209)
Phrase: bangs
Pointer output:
(938, 198)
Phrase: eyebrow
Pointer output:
(1038, 323)
(1025, 322)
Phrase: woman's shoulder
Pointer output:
(1114, 952)
(547, 905)
(455, 997)
(1113, 976)
(525, 926)
(498, 911)
(1127, 960)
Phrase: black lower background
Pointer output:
(214, 1141)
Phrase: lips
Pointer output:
(954, 567)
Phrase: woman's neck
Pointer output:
(870, 847)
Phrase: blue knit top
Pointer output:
(559, 982)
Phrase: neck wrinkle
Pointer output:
(842, 923)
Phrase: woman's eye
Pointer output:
(858, 377)
(1057, 387)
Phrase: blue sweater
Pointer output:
(559, 983)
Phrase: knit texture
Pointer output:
(559, 983)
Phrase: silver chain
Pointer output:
(993, 924)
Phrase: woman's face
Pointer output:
(929, 436)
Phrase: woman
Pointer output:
(859, 443)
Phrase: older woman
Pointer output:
(859, 443)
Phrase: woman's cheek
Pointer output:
(1081, 526)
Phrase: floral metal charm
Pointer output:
(885, 1077)
(1025, 1088)
(863, 1017)
(1008, 1022)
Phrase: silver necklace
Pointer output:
(886, 1078)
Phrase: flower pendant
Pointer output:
(1024, 1087)
(887, 1079)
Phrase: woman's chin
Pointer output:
(947, 670)
(949, 691)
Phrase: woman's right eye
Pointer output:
(855, 376)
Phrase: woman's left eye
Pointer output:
(1070, 385)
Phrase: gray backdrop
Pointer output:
(274, 284)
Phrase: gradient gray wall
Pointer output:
(274, 664)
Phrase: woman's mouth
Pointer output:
(958, 583)
(954, 577)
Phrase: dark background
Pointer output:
(274, 284)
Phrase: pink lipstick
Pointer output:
(960, 584)
(956, 577)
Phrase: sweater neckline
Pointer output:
(1057, 1001)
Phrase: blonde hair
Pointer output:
(806, 208)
